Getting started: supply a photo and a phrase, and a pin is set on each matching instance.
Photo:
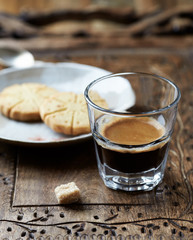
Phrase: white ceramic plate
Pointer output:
(62, 76)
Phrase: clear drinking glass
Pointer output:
(133, 129)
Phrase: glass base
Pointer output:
(137, 184)
(144, 181)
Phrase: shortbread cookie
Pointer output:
(67, 113)
(21, 101)
(67, 193)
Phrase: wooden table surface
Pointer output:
(28, 175)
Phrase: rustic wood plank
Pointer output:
(63, 46)
(11, 26)
(170, 214)
(128, 22)
(125, 15)
(18, 6)
(59, 166)
(145, 24)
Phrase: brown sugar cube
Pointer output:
(67, 193)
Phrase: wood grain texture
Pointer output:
(98, 28)
(27, 178)
(59, 166)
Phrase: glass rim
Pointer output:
(89, 101)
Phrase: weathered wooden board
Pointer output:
(28, 175)
(99, 28)
(58, 166)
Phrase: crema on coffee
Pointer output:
(131, 145)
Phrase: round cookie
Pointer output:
(21, 101)
(67, 113)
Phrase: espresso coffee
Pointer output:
(131, 145)
(132, 131)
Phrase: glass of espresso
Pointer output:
(132, 124)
